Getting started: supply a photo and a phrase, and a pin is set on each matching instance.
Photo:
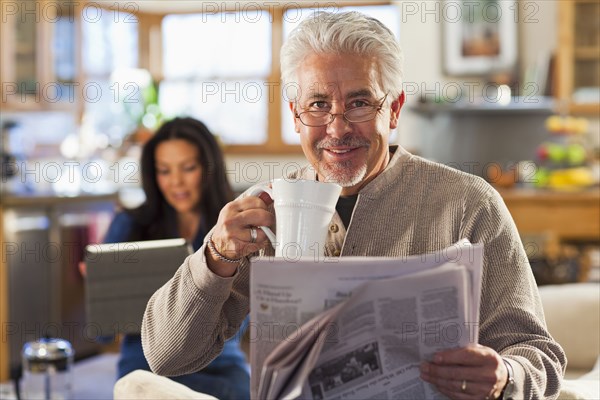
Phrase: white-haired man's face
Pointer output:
(348, 153)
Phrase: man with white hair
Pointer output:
(347, 69)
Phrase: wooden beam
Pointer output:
(4, 348)
(564, 67)
(150, 44)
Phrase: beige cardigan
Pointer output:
(414, 206)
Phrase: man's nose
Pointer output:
(339, 127)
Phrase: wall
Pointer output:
(421, 39)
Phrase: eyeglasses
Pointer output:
(359, 114)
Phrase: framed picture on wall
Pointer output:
(480, 36)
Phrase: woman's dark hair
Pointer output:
(155, 217)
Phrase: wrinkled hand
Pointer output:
(473, 372)
(231, 235)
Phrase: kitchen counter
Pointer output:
(46, 200)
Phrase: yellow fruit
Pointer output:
(582, 125)
(580, 176)
(554, 123)
(572, 178)
(571, 124)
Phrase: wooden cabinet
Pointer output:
(569, 216)
(41, 288)
(39, 60)
(578, 56)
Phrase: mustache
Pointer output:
(348, 141)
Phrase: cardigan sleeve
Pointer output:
(188, 320)
(511, 315)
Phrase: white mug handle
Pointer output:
(255, 192)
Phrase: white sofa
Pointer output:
(572, 313)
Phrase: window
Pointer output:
(63, 46)
(217, 71)
(110, 46)
(109, 43)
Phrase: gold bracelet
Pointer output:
(215, 252)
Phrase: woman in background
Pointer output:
(184, 179)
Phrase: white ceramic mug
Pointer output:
(304, 210)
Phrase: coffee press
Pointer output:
(47, 369)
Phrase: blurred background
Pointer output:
(507, 90)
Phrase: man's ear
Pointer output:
(297, 122)
(395, 110)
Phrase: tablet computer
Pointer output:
(121, 278)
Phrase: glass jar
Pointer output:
(47, 369)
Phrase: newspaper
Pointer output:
(359, 327)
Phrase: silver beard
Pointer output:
(341, 173)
